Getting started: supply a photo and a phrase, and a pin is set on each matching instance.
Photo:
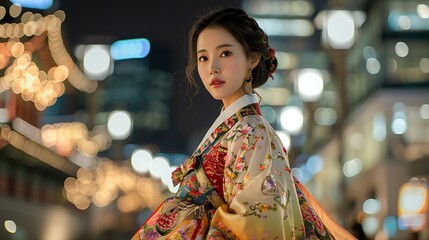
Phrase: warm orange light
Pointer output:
(16, 58)
(110, 181)
(413, 205)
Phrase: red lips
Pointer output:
(216, 82)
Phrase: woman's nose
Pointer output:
(214, 67)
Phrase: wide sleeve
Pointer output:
(261, 201)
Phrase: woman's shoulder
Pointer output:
(255, 123)
(253, 119)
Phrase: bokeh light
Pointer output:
(284, 138)
(292, 120)
(37, 4)
(404, 22)
(325, 116)
(310, 84)
(399, 120)
(159, 166)
(314, 164)
(340, 29)
(371, 206)
(401, 49)
(379, 128)
(373, 66)
(130, 49)
(424, 65)
(352, 167)
(370, 225)
(424, 111)
(10, 226)
(141, 160)
(4, 115)
(97, 62)
(110, 181)
(119, 124)
(423, 10)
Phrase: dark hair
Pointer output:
(246, 31)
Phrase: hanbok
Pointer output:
(238, 185)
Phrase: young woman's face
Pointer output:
(222, 64)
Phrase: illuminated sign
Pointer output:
(36, 4)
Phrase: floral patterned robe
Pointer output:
(248, 177)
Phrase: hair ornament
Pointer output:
(273, 61)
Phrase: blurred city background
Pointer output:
(95, 110)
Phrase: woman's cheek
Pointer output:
(202, 76)
(236, 65)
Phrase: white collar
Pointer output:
(238, 104)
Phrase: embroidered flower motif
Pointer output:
(246, 128)
(150, 235)
(229, 176)
(309, 215)
(240, 164)
(261, 167)
(243, 146)
(227, 180)
(167, 220)
(257, 209)
(264, 208)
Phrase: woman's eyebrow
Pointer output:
(220, 46)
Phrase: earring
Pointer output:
(247, 85)
(249, 76)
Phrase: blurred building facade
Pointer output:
(87, 146)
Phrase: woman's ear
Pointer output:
(254, 59)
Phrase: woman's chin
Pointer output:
(216, 96)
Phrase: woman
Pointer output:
(238, 183)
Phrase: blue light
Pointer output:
(36, 4)
(389, 226)
(130, 49)
(314, 164)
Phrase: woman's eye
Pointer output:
(225, 54)
(202, 59)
